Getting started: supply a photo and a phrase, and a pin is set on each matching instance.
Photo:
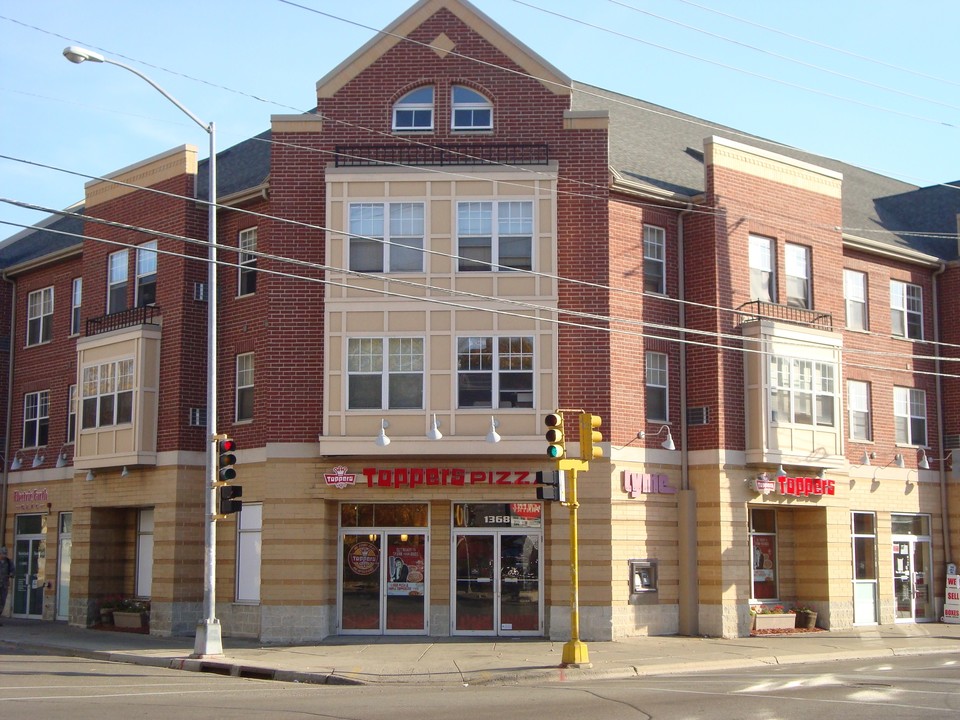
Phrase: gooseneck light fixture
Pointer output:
(493, 436)
(667, 444)
(382, 440)
(38, 459)
(434, 432)
(208, 639)
(17, 461)
(62, 456)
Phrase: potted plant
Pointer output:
(806, 617)
(772, 617)
(131, 613)
(107, 607)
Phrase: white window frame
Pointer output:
(76, 302)
(654, 259)
(503, 363)
(906, 310)
(36, 419)
(114, 380)
(418, 107)
(398, 362)
(470, 105)
(387, 237)
(40, 316)
(656, 373)
(72, 414)
(244, 405)
(910, 416)
(858, 410)
(797, 268)
(249, 552)
(855, 300)
(803, 388)
(117, 277)
(486, 229)
(762, 262)
(247, 262)
(146, 274)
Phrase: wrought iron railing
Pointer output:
(146, 315)
(417, 154)
(757, 309)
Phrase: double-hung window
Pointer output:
(414, 111)
(802, 391)
(244, 387)
(247, 272)
(654, 260)
(495, 235)
(495, 372)
(75, 303)
(379, 369)
(906, 310)
(797, 261)
(471, 110)
(40, 316)
(147, 274)
(762, 277)
(858, 408)
(72, 414)
(910, 416)
(107, 394)
(117, 282)
(855, 298)
(656, 376)
(36, 418)
(386, 236)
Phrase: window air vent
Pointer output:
(698, 415)
(951, 442)
(198, 417)
(200, 291)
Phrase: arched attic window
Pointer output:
(414, 111)
(471, 110)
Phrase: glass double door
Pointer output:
(498, 583)
(30, 558)
(383, 582)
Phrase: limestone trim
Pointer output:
(771, 166)
(296, 123)
(146, 173)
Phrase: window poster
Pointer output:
(405, 568)
(764, 567)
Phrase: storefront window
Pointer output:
(763, 540)
(383, 515)
(864, 537)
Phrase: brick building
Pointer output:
(416, 274)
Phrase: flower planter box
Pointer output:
(774, 621)
(130, 619)
(806, 620)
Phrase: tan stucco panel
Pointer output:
(149, 172)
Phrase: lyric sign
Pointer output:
(636, 484)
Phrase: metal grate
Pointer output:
(146, 315)
(416, 154)
(698, 415)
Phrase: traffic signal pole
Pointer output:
(575, 652)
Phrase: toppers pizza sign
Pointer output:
(793, 486)
(413, 478)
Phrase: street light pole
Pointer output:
(208, 640)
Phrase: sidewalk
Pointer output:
(442, 660)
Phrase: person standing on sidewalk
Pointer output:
(6, 572)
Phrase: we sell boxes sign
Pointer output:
(951, 603)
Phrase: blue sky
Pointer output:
(889, 102)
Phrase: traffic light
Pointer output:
(590, 437)
(227, 458)
(551, 485)
(556, 447)
(228, 502)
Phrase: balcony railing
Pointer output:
(146, 315)
(758, 309)
(416, 154)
